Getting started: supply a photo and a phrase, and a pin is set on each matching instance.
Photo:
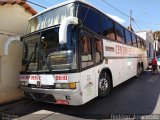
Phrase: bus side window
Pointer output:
(120, 37)
(119, 33)
(143, 43)
(139, 42)
(108, 30)
(128, 37)
(98, 50)
(134, 40)
(88, 15)
(86, 51)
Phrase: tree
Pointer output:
(156, 34)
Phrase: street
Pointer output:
(139, 96)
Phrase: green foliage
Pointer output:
(156, 34)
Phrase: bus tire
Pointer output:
(104, 84)
(138, 71)
(141, 69)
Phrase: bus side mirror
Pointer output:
(63, 28)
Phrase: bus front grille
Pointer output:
(42, 86)
(40, 97)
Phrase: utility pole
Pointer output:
(35, 4)
(130, 21)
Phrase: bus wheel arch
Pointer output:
(105, 83)
(142, 65)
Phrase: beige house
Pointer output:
(14, 15)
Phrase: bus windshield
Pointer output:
(42, 51)
(51, 18)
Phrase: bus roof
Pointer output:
(71, 1)
(59, 5)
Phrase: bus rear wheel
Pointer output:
(104, 84)
(141, 69)
(138, 70)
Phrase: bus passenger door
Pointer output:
(87, 66)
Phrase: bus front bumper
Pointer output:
(56, 96)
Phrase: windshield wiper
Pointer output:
(47, 63)
(29, 61)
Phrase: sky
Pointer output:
(144, 12)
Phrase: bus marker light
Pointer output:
(72, 85)
(64, 102)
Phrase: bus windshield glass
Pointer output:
(50, 18)
(42, 51)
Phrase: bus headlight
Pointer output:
(65, 85)
(24, 83)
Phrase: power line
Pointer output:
(123, 14)
(5, 31)
(1, 33)
(107, 4)
(140, 30)
(38, 1)
(47, 3)
(148, 23)
(116, 9)
(137, 25)
(35, 4)
(129, 16)
(9, 33)
(108, 10)
(148, 26)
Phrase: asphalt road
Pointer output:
(137, 96)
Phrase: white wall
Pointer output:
(148, 37)
(10, 66)
(15, 18)
(13, 21)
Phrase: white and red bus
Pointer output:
(73, 53)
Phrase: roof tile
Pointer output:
(25, 5)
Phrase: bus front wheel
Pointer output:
(104, 84)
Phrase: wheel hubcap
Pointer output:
(103, 84)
